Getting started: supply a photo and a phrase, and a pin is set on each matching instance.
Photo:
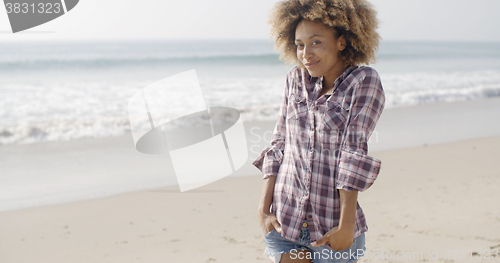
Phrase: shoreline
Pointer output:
(60, 172)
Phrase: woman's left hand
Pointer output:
(339, 238)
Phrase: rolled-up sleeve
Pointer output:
(357, 170)
(271, 158)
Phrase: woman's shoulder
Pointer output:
(363, 72)
(294, 73)
(369, 79)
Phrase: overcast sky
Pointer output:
(225, 19)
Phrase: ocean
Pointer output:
(69, 90)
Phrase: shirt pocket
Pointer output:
(335, 116)
(297, 107)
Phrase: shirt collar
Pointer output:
(343, 76)
(318, 81)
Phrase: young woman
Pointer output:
(318, 161)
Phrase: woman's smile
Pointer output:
(311, 65)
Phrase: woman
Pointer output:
(318, 161)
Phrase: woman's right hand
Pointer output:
(268, 222)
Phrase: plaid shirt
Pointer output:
(306, 145)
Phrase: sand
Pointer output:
(426, 198)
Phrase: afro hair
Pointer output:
(354, 19)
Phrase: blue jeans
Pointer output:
(276, 245)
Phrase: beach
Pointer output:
(436, 193)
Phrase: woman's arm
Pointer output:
(269, 162)
(348, 205)
(342, 236)
(266, 197)
(266, 219)
(357, 171)
(270, 159)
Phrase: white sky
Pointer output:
(218, 19)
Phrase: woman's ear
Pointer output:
(342, 43)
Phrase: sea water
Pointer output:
(59, 91)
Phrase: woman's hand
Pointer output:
(268, 222)
(339, 238)
(342, 236)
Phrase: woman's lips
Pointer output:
(311, 65)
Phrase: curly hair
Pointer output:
(354, 19)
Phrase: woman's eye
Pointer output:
(299, 45)
(316, 43)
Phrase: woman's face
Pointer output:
(318, 50)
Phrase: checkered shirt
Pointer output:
(306, 147)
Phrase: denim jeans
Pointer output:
(276, 245)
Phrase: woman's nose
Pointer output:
(308, 53)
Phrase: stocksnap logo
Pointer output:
(25, 14)
(204, 143)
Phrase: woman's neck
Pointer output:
(329, 79)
